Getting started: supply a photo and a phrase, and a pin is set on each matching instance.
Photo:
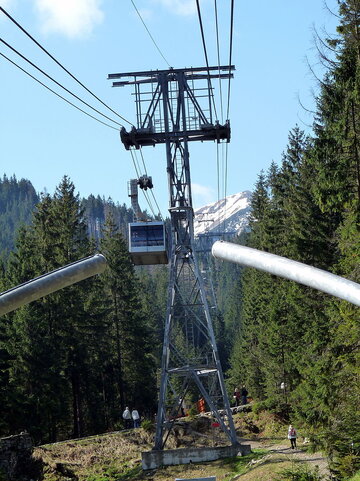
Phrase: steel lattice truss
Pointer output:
(176, 109)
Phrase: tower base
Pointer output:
(170, 457)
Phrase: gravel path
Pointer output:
(283, 452)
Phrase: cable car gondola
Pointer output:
(147, 243)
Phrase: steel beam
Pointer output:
(53, 281)
(149, 73)
(293, 270)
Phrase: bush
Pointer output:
(346, 466)
(268, 405)
(356, 477)
(148, 425)
(300, 473)
(118, 426)
(193, 412)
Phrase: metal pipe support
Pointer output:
(53, 281)
(295, 271)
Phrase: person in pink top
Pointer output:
(292, 436)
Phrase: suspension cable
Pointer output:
(56, 82)
(60, 65)
(137, 170)
(218, 58)
(151, 191)
(206, 56)
(230, 54)
(148, 31)
(55, 93)
(143, 160)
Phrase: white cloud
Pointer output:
(202, 194)
(73, 18)
(179, 7)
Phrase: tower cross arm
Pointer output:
(186, 71)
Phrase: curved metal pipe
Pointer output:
(53, 281)
(289, 269)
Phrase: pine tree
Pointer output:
(134, 359)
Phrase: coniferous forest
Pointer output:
(71, 361)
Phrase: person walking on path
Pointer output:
(292, 436)
(136, 418)
(244, 395)
(127, 418)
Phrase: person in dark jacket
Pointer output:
(244, 395)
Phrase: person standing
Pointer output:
(292, 436)
(244, 395)
(127, 418)
(136, 418)
(237, 396)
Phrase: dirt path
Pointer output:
(282, 452)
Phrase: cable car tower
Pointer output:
(174, 107)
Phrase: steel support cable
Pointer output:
(143, 191)
(56, 82)
(225, 186)
(148, 31)
(157, 205)
(133, 159)
(137, 161)
(137, 170)
(218, 180)
(228, 102)
(58, 95)
(230, 54)
(61, 66)
(149, 202)
(206, 55)
(223, 189)
(218, 57)
(221, 106)
(143, 160)
(151, 191)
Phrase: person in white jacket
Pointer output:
(136, 418)
(127, 418)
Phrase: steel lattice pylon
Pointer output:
(173, 112)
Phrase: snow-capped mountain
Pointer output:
(226, 215)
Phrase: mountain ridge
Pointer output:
(230, 215)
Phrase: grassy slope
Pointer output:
(116, 456)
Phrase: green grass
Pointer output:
(224, 469)
(112, 473)
(240, 464)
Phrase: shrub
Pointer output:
(300, 473)
(346, 466)
(193, 412)
(148, 425)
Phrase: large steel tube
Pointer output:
(53, 281)
(289, 269)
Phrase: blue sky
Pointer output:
(42, 138)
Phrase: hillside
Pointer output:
(117, 456)
(17, 202)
